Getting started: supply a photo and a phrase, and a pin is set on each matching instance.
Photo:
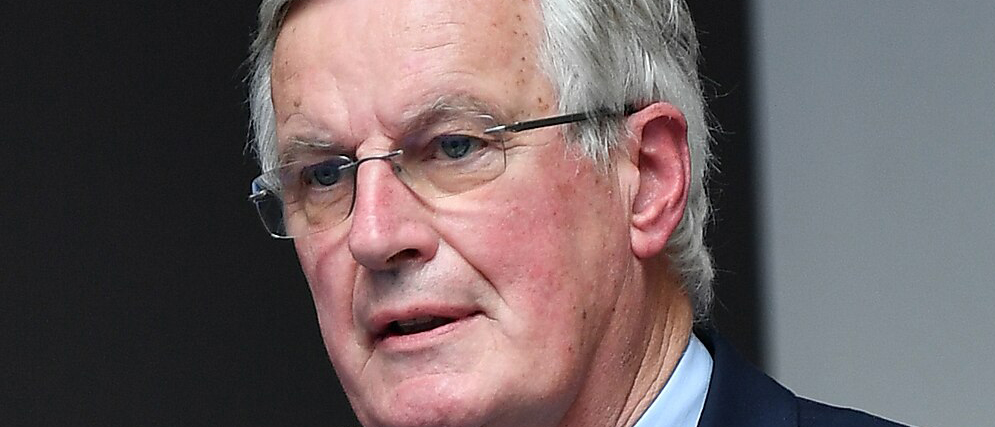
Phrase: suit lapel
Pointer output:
(739, 395)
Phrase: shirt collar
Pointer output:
(682, 399)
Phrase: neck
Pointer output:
(643, 343)
(668, 338)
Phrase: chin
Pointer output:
(433, 401)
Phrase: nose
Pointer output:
(390, 226)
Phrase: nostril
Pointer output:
(405, 255)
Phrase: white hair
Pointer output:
(598, 55)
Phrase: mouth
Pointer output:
(417, 326)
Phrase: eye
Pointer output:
(457, 146)
(325, 174)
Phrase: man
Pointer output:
(473, 264)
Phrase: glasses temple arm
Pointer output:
(557, 120)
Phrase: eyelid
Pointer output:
(315, 157)
(343, 162)
(295, 171)
(303, 175)
(301, 148)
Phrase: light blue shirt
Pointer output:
(682, 399)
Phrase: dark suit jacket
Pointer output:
(739, 395)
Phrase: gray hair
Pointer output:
(598, 55)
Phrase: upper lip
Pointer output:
(381, 319)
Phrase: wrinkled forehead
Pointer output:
(407, 17)
(380, 55)
(369, 31)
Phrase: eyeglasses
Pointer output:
(451, 157)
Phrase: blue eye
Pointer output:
(457, 146)
(326, 173)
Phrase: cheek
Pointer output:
(331, 290)
(544, 249)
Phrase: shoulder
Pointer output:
(815, 414)
(741, 395)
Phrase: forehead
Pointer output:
(337, 61)
(408, 23)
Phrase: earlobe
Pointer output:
(659, 133)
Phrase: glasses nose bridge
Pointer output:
(390, 157)
(385, 156)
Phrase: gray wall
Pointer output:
(877, 148)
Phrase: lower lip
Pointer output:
(427, 339)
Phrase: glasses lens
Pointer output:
(320, 196)
(305, 197)
(450, 158)
(270, 209)
(453, 159)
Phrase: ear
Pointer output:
(658, 147)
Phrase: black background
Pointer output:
(138, 287)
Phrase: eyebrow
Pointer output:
(443, 108)
(448, 107)
(299, 145)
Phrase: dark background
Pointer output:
(138, 287)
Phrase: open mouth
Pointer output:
(415, 326)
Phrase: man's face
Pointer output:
(522, 273)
